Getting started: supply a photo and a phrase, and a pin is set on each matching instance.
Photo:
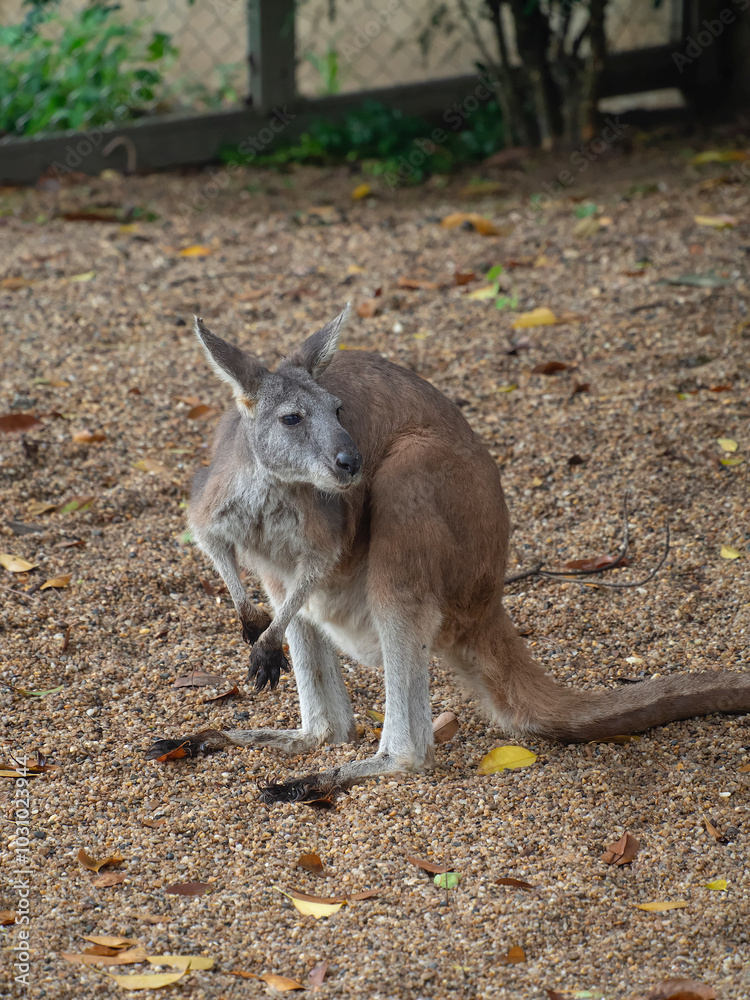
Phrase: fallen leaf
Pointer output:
(719, 837)
(681, 989)
(736, 460)
(515, 883)
(152, 982)
(87, 437)
(93, 866)
(744, 769)
(369, 307)
(361, 191)
(428, 866)
(623, 852)
(13, 284)
(445, 727)
(199, 678)
(507, 388)
(86, 276)
(549, 368)
(719, 885)
(480, 189)
(364, 894)
(675, 904)
(486, 292)
(188, 889)
(312, 906)
(471, 220)
(447, 880)
(57, 581)
(108, 879)
(463, 277)
(727, 444)
(537, 317)
(110, 941)
(25, 693)
(115, 957)
(719, 156)
(7, 917)
(589, 226)
(154, 824)
(149, 465)
(14, 564)
(39, 507)
(373, 714)
(18, 423)
(415, 283)
(182, 961)
(728, 552)
(716, 221)
(710, 280)
(281, 983)
(506, 756)
(317, 974)
(100, 949)
(196, 251)
(594, 563)
(311, 863)
(515, 955)
(76, 505)
(201, 412)
(176, 753)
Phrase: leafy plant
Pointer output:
(501, 301)
(80, 73)
(327, 68)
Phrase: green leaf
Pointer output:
(447, 880)
(494, 272)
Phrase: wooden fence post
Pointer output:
(271, 52)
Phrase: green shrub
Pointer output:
(78, 74)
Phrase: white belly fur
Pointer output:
(344, 617)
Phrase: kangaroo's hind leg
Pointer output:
(326, 711)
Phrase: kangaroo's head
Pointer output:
(291, 422)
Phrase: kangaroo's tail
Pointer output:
(527, 700)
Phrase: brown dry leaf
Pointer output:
(715, 833)
(108, 879)
(515, 955)
(15, 564)
(311, 863)
(100, 949)
(364, 894)
(175, 754)
(661, 907)
(150, 465)
(281, 983)
(416, 283)
(7, 917)
(187, 400)
(40, 507)
(113, 958)
(317, 974)
(464, 277)
(594, 563)
(93, 866)
(623, 852)
(474, 221)
(744, 769)
(87, 437)
(369, 308)
(515, 883)
(110, 941)
(681, 989)
(18, 423)
(445, 727)
(305, 897)
(57, 581)
(429, 866)
(549, 368)
(201, 412)
(188, 889)
(154, 824)
(152, 918)
(13, 284)
(199, 678)
(148, 982)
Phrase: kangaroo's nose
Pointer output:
(350, 462)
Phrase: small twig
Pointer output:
(638, 583)
(21, 593)
(524, 574)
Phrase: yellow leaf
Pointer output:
(57, 581)
(361, 191)
(720, 885)
(537, 317)
(310, 909)
(86, 276)
(507, 388)
(39, 507)
(130, 227)
(109, 941)
(728, 444)
(719, 156)
(716, 221)
(505, 757)
(473, 220)
(147, 982)
(737, 460)
(149, 465)
(586, 227)
(195, 251)
(376, 716)
(488, 292)
(182, 961)
(15, 564)
(728, 552)
(355, 269)
(675, 904)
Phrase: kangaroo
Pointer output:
(391, 549)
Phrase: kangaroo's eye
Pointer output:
(291, 418)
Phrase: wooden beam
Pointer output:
(271, 52)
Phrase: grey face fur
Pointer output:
(291, 423)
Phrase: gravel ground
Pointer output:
(98, 339)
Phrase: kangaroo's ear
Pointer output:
(240, 370)
(317, 352)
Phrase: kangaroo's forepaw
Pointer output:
(253, 630)
(206, 741)
(310, 790)
(266, 665)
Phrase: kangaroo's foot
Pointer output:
(205, 741)
(266, 664)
